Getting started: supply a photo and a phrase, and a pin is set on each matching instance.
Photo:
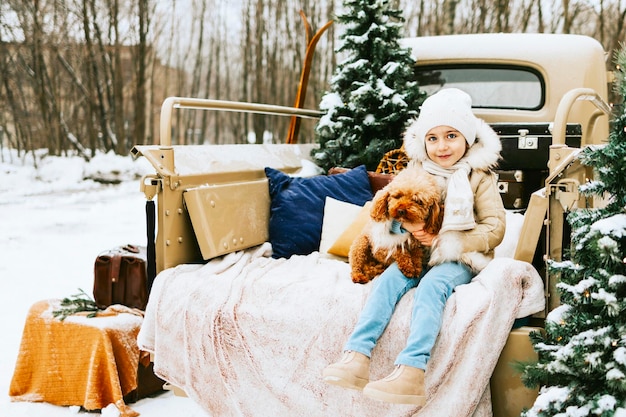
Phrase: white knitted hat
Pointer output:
(448, 107)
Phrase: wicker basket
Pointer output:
(393, 162)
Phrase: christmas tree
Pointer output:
(582, 353)
(373, 93)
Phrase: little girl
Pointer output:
(460, 150)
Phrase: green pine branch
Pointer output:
(77, 303)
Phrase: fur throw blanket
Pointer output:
(248, 335)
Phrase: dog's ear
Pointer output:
(435, 218)
(379, 211)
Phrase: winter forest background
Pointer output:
(87, 75)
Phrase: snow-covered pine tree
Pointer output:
(372, 93)
(582, 354)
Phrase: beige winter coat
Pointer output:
(473, 247)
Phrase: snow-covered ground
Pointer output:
(53, 224)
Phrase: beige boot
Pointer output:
(352, 371)
(405, 385)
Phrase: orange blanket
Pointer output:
(88, 362)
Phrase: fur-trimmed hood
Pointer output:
(482, 155)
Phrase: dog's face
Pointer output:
(410, 206)
(412, 197)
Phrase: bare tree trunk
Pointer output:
(218, 92)
(451, 16)
(196, 74)
(213, 61)
(139, 128)
(38, 74)
(258, 121)
(86, 97)
(246, 94)
(14, 103)
(566, 16)
(526, 16)
(479, 18)
(182, 85)
(616, 35)
(98, 67)
(90, 113)
(330, 49)
(117, 102)
(232, 119)
(420, 20)
(540, 27)
(502, 16)
(170, 61)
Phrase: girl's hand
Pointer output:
(418, 232)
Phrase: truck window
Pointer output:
(496, 87)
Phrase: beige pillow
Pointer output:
(338, 215)
(341, 246)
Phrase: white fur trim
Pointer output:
(448, 247)
(414, 145)
(485, 153)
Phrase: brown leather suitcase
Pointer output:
(120, 277)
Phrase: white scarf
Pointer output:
(458, 211)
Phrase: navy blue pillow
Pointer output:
(297, 208)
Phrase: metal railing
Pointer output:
(171, 103)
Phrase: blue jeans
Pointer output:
(434, 287)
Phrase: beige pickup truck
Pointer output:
(546, 96)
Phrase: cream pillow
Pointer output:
(338, 216)
(341, 246)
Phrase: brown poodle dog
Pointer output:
(413, 196)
